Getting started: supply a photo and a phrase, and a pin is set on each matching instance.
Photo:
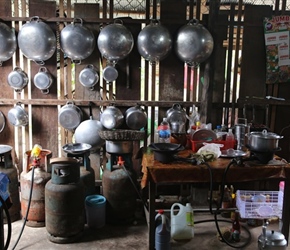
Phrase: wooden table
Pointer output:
(156, 173)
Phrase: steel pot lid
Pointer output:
(8, 42)
(37, 40)
(265, 135)
(43, 80)
(17, 79)
(194, 43)
(154, 42)
(115, 41)
(110, 73)
(89, 77)
(77, 41)
(2, 122)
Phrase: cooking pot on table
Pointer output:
(43, 80)
(77, 41)
(8, 42)
(70, 116)
(263, 141)
(154, 42)
(17, 79)
(194, 43)
(164, 152)
(37, 41)
(115, 41)
(17, 116)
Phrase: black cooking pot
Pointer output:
(164, 152)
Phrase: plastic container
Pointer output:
(164, 131)
(230, 139)
(182, 223)
(162, 231)
(96, 211)
(281, 194)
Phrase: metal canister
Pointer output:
(7, 167)
(64, 201)
(39, 177)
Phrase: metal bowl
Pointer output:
(76, 148)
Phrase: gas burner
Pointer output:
(262, 156)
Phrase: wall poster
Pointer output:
(276, 30)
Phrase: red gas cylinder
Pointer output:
(41, 175)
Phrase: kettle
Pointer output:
(269, 239)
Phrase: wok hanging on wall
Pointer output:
(154, 42)
(194, 43)
(8, 43)
(37, 41)
(77, 41)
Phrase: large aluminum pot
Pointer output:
(176, 115)
(115, 41)
(112, 117)
(194, 43)
(119, 147)
(8, 43)
(263, 141)
(88, 132)
(70, 116)
(77, 41)
(154, 42)
(135, 117)
(37, 41)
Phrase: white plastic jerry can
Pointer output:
(182, 222)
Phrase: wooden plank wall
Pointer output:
(216, 99)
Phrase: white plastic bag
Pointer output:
(211, 148)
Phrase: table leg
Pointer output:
(286, 211)
(152, 190)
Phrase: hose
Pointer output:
(8, 223)
(28, 207)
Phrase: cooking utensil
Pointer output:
(164, 152)
(88, 132)
(17, 79)
(154, 42)
(76, 148)
(119, 147)
(43, 80)
(176, 115)
(89, 76)
(2, 122)
(204, 135)
(194, 43)
(115, 41)
(263, 141)
(70, 116)
(135, 117)
(37, 41)
(110, 73)
(17, 116)
(112, 117)
(8, 42)
(77, 41)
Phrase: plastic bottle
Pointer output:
(162, 231)
(226, 202)
(182, 223)
(230, 139)
(281, 194)
(164, 131)
(236, 228)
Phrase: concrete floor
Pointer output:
(129, 237)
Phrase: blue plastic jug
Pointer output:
(162, 231)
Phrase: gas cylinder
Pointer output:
(7, 167)
(119, 191)
(64, 201)
(41, 175)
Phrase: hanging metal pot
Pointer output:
(8, 43)
(115, 41)
(87, 132)
(194, 43)
(77, 41)
(154, 42)
(43, 80)
(17, 116)
(89, 76)
(70, 116)
(176, 115)
(17, 79)
(112, 117)
(136, 118)
(110, 73)
(37, 41)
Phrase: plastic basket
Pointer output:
(196, 145)
(258, 204)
